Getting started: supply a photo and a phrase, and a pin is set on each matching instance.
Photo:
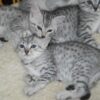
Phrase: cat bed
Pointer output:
(12, 84)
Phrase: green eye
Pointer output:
(21, 46)
(33, 46)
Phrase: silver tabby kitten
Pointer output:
(6, 15)
(70, 62)
(66, 25)
(89, 20)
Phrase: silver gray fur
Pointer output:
(89, 21)
(66, 24)
(7, 13)
(25, 5)
(70, 62)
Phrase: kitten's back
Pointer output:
(67, 29)
(75, 48)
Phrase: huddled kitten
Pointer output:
(7, 13)
(89, 21)
(66, 25)
(69, 62)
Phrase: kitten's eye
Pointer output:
(50, 30)
(21, 46)
(39, 28)
(33, 46)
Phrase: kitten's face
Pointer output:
(30, 47)
(91, 6)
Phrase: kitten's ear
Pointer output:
(54, 24)
(36, 20)
(36, 16)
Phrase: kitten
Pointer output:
(70, 62)
(7, 13)
(66, 26)
(89, 20)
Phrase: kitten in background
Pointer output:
(66, 26)
(89, 21)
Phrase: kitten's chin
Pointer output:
(27, 59)
(30, 58)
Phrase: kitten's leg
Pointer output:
(77, 91)
(40, 84)
(84, 32)
(30, 79)
(42, 81)
(88, 39)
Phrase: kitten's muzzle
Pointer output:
(26, 51)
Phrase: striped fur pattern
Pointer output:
(77, 65)
(65, 26)
(89, 21)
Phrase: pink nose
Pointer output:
(26, 51)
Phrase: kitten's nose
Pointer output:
(26, 51)
(95, 8)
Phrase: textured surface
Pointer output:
(11, 80)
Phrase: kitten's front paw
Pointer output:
(29, 80)
(61, 96)
(29, 91)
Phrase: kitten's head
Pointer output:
(30, 46)
(37, 22)
(91, 6)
